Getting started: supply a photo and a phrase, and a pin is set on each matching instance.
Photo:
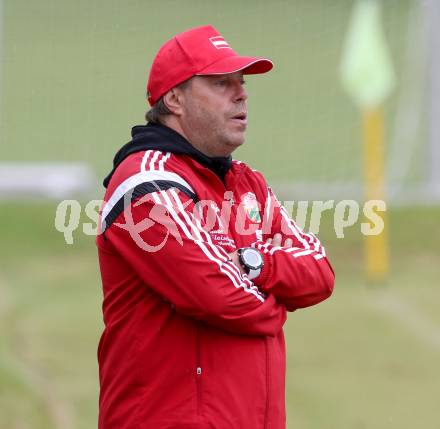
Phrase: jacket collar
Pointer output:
(160, 137)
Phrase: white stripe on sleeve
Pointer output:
(163, 161)
(219, 252)
(154, 158)
(145, 159)
(208, 248)
(137, 179)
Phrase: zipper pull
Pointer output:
(199, 370)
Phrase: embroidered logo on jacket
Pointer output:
(251, 207)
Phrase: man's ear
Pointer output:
(173, 100)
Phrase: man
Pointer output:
(199, 261)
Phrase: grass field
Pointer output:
(367, 358)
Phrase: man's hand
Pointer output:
(277, 239)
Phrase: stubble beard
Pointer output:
(210, 134)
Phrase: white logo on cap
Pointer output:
(219, 42)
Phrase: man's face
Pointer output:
(214, 113)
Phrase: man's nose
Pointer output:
(241, 94)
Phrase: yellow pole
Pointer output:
(376, 246)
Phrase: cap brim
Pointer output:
(233, 64)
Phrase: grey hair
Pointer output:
(160, 109)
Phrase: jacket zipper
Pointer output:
(266, 414)
(198, 373)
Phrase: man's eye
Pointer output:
(222, 82)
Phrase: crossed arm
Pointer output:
(277, 240)
(200, 280)
(296, 269)
(167, 248)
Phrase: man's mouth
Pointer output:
(241, 118)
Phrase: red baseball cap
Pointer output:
(199, 51)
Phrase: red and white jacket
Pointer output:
(190, 342)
